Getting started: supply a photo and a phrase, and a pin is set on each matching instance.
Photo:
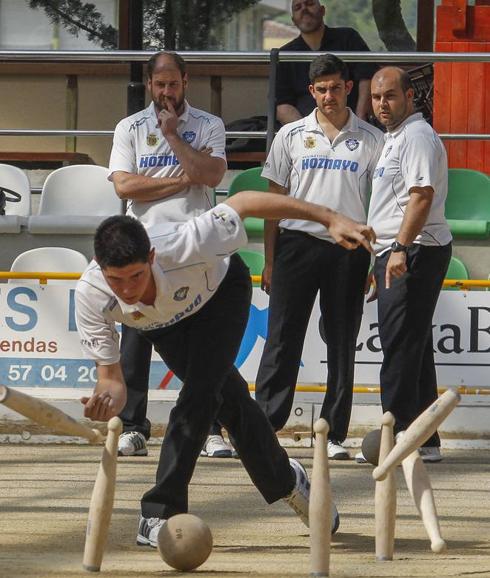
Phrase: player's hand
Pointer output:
(168, 120)
(371, 286)
(108, 400)
(396, 267)
(265, 281)
(351, 234)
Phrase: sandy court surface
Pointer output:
(45, 493)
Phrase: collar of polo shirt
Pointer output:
(412, 118)
(312, 124)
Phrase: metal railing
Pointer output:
(273, 57)
(236, 57)
(229, 134)
(45, 276)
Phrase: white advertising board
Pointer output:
(39, 343)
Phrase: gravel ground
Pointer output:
(45, 493)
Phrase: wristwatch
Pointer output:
(397, 247)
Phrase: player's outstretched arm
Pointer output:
(346, 232)
(109, 396)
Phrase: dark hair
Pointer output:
(328, 64)
(119, 241)
(177, 59)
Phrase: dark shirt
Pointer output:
(293, 77)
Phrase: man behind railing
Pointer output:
(293, 100)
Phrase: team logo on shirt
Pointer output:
(151, 140)
(388, 151)
(181, 294)
(220, 215)
(310, 142)
(352, 144)
(189, 136)
(137, 315)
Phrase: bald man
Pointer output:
(163, 160)
(293, 100)
(413, 249)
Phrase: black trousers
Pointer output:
(408, 376)
(304, 265)
(136, 352)
(201, 350)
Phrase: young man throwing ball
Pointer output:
(178, 284)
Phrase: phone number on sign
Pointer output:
(59, 373)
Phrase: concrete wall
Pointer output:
(33, 101)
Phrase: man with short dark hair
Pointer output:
(180, 289)
(293, 100)
(327, 158)
(413, 249)
(163, 160)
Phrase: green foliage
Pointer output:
(170, 24)
(75, 16)
(195, 24)
(188, 24)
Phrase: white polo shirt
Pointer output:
(337, 175)
(140, 148)
(413, 156)
(191, 260)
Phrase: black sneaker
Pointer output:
(148, 529)
(430, 454)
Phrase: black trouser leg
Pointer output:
(405, 311)
(215, 429)
(428, 386)
(136, 353)
(341, 305)
(295, 284)
(135, 363)
(252, 435)
(201, 350)
(302, 265)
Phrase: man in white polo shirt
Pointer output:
(328, 158)
(178, 286)
(163, 160)
(413, 249)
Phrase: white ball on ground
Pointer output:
(185, 542)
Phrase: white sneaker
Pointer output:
(430, 454)
(148, 529)
(360, 459)
(336, 451)
(216, 447)
(299, 498)
(132, 443)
